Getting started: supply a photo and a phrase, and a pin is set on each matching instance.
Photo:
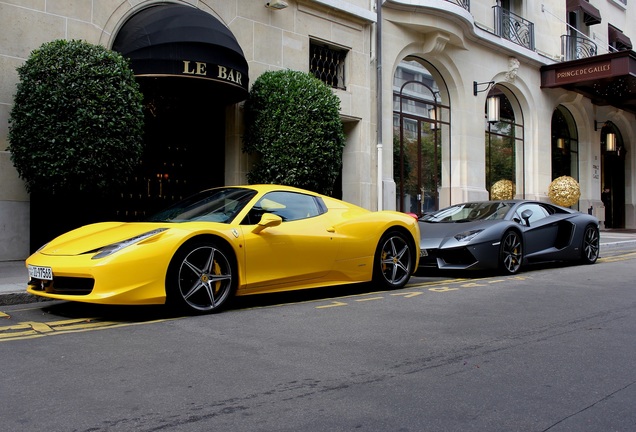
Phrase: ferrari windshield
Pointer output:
(213, 205)
(468, 212)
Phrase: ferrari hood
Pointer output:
(92, 237)
(438, 235)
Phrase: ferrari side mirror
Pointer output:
(268, 220)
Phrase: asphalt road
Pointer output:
(551, 349)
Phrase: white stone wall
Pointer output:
(270, 39)
(460, 45)
(463, 48)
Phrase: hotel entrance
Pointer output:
(613, 176)
(190, 68)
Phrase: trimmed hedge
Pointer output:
(293, 126)
(77, 121)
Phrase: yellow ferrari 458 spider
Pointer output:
(228, 241)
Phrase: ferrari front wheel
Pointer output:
(201, 277)
(511, 252)
(590, 247)
(394, 260)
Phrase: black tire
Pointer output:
(201, 277)
(394, 259)
(591, 245)
(511, 252)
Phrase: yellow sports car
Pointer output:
(228, 241)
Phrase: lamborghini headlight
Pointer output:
(467, 235)
(115, 247)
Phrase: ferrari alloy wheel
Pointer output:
(393, 261)
(590, 248)
(201, 277)
(511, 252)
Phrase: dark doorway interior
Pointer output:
(613, 192)
(184, 146)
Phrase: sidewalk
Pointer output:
(14, 276)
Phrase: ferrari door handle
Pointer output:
(331, 230)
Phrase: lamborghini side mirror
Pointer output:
(526, 215)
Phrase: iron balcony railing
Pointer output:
(463, 3)
(577, 47)
(514, 28)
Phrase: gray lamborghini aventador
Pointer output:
(506, 235)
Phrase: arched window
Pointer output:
(565, 144)
(504, 148)
(420, 138)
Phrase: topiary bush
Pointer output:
(293, 126)
(76, 123)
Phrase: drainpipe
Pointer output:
(378, 56)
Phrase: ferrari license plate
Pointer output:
(37, 272)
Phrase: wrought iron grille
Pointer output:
(514, 28)
(576, 47)
(464, 3)
(328, 65)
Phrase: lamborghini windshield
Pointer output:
(469, 212)
(213, 205)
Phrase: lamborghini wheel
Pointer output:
(511, 252)
(590, 247)
(394, 260)
(201, 277)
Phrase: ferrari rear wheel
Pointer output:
(201, 277)
(511, 252)
(590, 248)
(394, 260)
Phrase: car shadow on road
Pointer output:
(143, 313)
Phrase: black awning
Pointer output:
(591, 15)
(618, 39)
(608, 79)
(182, 41)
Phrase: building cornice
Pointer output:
(346, 7)
(472, 30)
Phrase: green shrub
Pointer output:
(293, 126)
(77, 122)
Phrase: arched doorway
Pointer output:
(505, 165)
(565, 144)
(420, 138)
(190, 67)
(613, 175)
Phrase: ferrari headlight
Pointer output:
(115, 247)
(467, 235)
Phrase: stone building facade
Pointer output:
(440, 99)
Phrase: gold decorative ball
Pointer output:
(564, 191)
(503, 190)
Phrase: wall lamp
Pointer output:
(276, 4)
(493, 108)
(476, 86)
(610, 137)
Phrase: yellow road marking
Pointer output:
(332, 304)
(408, 294)
(4, 315)
(443, 289)
(369, 299)
(472, 285)
(615, 258)
(32, 329)
(445, 281)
